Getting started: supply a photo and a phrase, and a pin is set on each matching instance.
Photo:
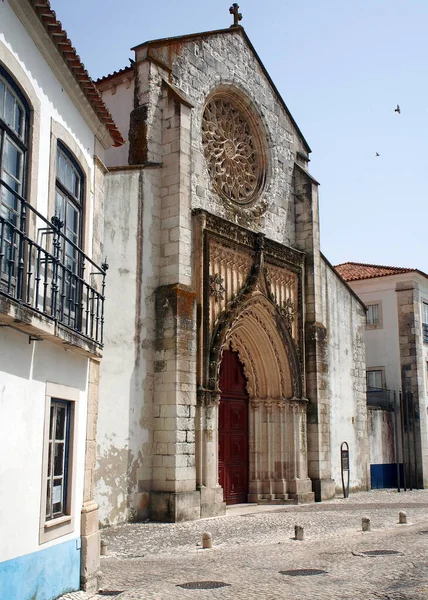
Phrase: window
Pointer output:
(374, 316)
(58, 456)
(425, 322)
(14, 120)
(375, 379)
(426, 376)
(68, 218)
(59, 467)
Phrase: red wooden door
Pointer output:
(233, 430)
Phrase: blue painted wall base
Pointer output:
(385, 476)
(42, 575)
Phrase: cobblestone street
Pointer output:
(253, 544)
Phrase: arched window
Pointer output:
(69, 187)
(69, 194)
(14, 121)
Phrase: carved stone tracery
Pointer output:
(232, 149)
(217, 288)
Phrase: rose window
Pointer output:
(232, 150)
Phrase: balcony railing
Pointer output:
(380, 398)
(43, 270)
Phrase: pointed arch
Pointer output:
(257, 330)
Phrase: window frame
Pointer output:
(56, 405)
(379, 324)
(61, 135)
(380, 370)
(77, 201)
(52, 528)
(426, 377)
(424, 322)
(69, 258)
(14, 85)
(22, 144)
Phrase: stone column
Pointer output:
(211, 492)
(280, 484)
(268, 451)
(255, 488)
(412, 372)
(90, 535)
(174, 496)
(299, 486)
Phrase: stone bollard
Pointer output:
(103, 548)
(298, 532)
(365, 524)
(402, 517)
(207, 540)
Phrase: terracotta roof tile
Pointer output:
(351, 271)
(110, 75)
(58, 35)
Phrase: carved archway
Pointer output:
(255, 337)
(254, 309)
(277, 425)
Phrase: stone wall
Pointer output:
(344, 316)
(124, 440)
(381, 436)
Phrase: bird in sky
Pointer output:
(377, 154)
(398, 109)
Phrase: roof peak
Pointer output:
(354, 271)
(360, 264)
(189, 36)
(143, 51)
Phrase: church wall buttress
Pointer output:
(174, 495)
(317, 366)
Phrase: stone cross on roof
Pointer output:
(237, 16)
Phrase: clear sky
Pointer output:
(341, 66)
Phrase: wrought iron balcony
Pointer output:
(44, 271)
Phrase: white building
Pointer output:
(397, 359)
(234, 358)
(54, 130)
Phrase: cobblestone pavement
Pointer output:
(252, 545)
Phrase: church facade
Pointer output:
(234, 356)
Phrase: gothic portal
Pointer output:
(252, 387)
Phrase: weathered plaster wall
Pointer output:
(381, 436)
(397, 347)
(382, 343)
(124, 439)
(24, 370)
(344, 317)
(118, 96)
